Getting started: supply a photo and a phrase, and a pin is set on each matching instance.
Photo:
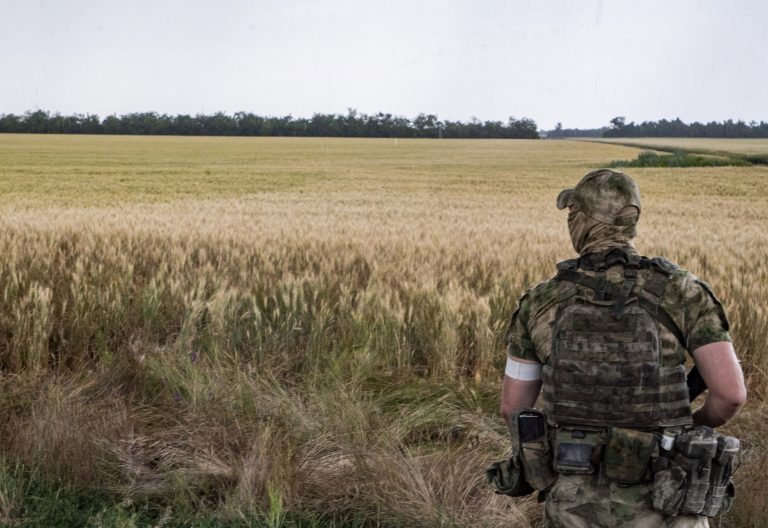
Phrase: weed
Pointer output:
(678, 159)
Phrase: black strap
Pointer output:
(603, 260)
(598, 284)
(617, 256)
(658, 313)
(603, 286)
(630, 277)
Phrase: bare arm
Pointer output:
(720, 369)
(517, 394)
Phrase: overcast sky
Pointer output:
(577, 62)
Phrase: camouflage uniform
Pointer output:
(590, 500)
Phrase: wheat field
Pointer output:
(308, 332)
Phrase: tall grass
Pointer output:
(679, 159)
(325, 352)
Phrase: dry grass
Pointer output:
(236, 323)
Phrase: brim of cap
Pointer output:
(565, 198)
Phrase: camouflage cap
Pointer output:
(602, 194)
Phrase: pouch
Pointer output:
(578, 451)
(721, 489)
(697, 483)
(530, 433)
(668, 490)
(507, 479)
(628, 455)
(695, 449)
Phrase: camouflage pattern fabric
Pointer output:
(604, 209)
(576, 501)
(688, 300)
(589, 235)
(581, 501)
(605, 372)
(603, 194)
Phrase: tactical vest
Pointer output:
(605, 368)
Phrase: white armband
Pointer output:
(522, 371)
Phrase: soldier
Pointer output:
(606, 340)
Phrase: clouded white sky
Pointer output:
(577, 62)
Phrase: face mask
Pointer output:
(589, 235)
(579, 226)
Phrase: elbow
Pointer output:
(738, 398)
(730, 407)
(731, 401)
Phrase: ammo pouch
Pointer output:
(578, 451)
(721, 489)
(668, 490)
(628, 455)
(530, 443)
(694, 451)
(625, 454)
(698, 479)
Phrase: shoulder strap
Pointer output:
(661, 315)
(602, 285)
(603, 261)
(663, 265)
(598, 284)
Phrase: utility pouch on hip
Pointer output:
(530, 440)
(628, 455)
(578, 451)
(694, 451)
(507, 479)
(668, 490)
(721, 490)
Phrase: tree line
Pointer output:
(560, 132)
(677, 128)
(665, 128)
(351, 124)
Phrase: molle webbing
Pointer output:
(607, 290)
(605, 368)
(592, 401)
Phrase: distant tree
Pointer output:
(618, 122)
(90, 124)
(11, 123)
(36, 122)
(425, 125)
(112, 125)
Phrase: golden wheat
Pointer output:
(223, 321)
